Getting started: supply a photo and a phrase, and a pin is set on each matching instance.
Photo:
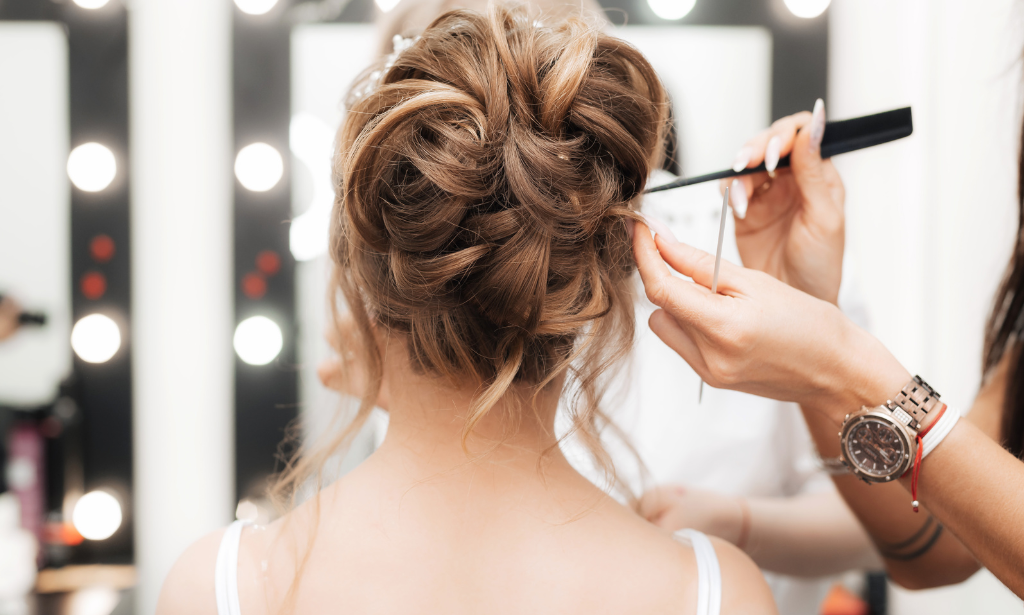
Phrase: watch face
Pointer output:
(875, 447)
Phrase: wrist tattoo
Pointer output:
(917, 545)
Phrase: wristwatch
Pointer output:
(879, 444)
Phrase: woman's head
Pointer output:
(484, 191)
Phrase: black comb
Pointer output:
(840, 137)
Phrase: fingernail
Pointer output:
(817, 124)
(771, 153)
(742, 159)
(659, 228)
(738, 199)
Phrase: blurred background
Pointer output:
(164, 196)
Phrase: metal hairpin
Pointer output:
(718, 262)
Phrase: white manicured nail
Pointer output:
(742, 159)
(738, 199)
(771, 153)
(817, 124)
(658, 227)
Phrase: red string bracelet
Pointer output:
(919, 456)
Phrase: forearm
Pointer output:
(808, 536)
(917, 550)
(977, 489)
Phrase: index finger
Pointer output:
(661, 287)
(786, 128)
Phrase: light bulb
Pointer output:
(259, 167)
(91, 167)
(97, 515)
(807, 8)
(91, 4)
(95, 338)
(671, 9)
(255, 7)
(258, 340)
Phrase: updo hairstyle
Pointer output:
(485, 181)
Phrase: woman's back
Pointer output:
(487, 177)
(418, 528)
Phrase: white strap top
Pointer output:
(225, 580)
(709, 575)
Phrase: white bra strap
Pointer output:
(709, 575)
(226, 573)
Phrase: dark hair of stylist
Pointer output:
(789, 341)
(1002, 338)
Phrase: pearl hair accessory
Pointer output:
(372, 82)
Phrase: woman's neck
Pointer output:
(428, 419)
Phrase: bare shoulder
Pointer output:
(189, 588)
(744, 589)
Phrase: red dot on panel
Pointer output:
(253, 285)
(102, 248)
(268, 262)
(94, 285)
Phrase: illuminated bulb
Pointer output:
(91, 167)
(96, 600)
(671, 9)
(97, 515)
(95, 338)
(258, 340)
(91, 4)
(387, 5)
(255, 7)
(807, 8)
(259, 167)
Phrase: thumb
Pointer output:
(810, 172)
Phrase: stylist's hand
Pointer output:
(759, 335)
(10, 311)
(793, 227)
(674, 507)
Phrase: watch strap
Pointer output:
(834, 466)
(914, 402)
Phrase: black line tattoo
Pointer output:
(917, 536)
(906, 557)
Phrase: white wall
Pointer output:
(931, 219)
(35, 207)
(180, 80)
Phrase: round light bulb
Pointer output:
(91, 167)
(97, 515)
(671, 9)
(255, 7)
(807, 8)
(258, 340)
(92, 4)
(95, 338)
(259, 167)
